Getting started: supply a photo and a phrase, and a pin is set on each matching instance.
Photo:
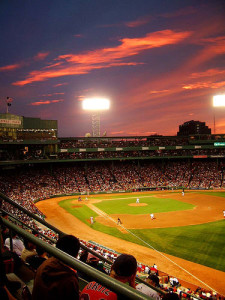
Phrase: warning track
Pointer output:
(210, 211)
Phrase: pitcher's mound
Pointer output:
(137, 204)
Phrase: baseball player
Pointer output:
(92, 220)
(152, 216)
(182, 192)
(137, 201)
(119, 221)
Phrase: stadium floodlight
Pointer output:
(218, 101)
(96, 105)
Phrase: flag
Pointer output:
(9, 101)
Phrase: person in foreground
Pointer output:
(124, 270)
(152, 280)
(54, 279)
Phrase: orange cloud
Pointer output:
(11, 67)
(76, 64)
(201, 85)
(60, 84)
(212, 48)
(208, 73)
(43, 102)
(138, 22)
(41, 55)
(50, 95)
(159, 92)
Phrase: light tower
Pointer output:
(218, 101)
(96, 105)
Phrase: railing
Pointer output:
(44, 245)
(105, 280)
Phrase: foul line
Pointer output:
(103, 214)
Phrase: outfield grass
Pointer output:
(203, 244)
(120, 205)
(218, 194)
(84, 213)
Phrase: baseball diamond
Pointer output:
(205, 208)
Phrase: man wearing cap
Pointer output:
(124, 270)
(152, 280)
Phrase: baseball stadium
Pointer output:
(160, 199)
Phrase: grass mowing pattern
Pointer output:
(203, 244)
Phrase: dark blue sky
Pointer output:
(159, 62)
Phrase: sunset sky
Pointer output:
(159, 62)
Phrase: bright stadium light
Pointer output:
(218, 101)
(96, 105)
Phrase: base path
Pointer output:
(207, 212)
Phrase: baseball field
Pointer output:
(185, 239)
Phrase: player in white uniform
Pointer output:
(152, 216)
(137, 201)
(183, 192)
(92, 220)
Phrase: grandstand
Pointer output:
(35, 165)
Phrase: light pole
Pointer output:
(96, 105)
(218, 101)
(8, 103)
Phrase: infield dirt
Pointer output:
(207, 209)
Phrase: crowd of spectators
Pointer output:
(73, 148)
(25, 186)
(147, 141)
(141, 153)
(49, 285)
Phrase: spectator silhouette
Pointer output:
(54, 280)
(124, 270)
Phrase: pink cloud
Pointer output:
(175, 83)
(60, 84)
(76, 64)
(159, 92)
(41, 55)
(208, 73)
(139, 22)
(44, 102)
(78, 35)
(11, 67)
(117, 132)
(207, 84)
(50, 95)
